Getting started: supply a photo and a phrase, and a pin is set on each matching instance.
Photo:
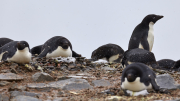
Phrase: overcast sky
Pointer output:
(89, 24)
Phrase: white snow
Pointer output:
(100, 61)
(65, 59)
(143, 92)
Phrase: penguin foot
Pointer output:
(125, 92)
(163, 90)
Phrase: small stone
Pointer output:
(15, 86)
(13, 70)
(6, 71)
(50, 68)
(4, 97)
(17, 93)
(78, 65)
(77, 86)
(10, 77)
(71, 66)
(4, 83)
(24, 98)
(108, 68)
(108, 92)
(63, 78)
(58, 99)
(14, 65)
(38, 77)
(101, 82)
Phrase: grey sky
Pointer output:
(89, 24)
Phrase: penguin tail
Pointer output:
(74, 54)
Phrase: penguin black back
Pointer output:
(177, 66)
(4, 41)
(112, 53)
(142, 36)
(166, 64)
(139, 55)
(36, 50)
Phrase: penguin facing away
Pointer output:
(166, 64)
(109, 52)
(142, 36)
(4, 41)
(137, 77)
(57, 46)
(36, 50)
(177, 66)
(139, 55)
(16, 51)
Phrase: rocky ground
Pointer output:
(55, 80)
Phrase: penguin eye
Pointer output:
(154, 17)
(24, 44)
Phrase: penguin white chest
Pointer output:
(150, 37)
(21, 56)
(135, 86)
(60, 52)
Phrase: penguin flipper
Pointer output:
(74, 54)
(144, 43)
(5, 56)
(43, 53)
(153, 83)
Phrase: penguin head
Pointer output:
(151, 18)
(93, 56)
(132, 74)
(64, 43)
(177, 65)
(22, 44)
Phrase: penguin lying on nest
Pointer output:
(138, 77)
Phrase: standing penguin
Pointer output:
(16, 51)
(142, 36)
(139, 55)
(57, 46)
(137, 77)
(109, 52)
(4, 41)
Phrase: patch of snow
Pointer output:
(143, 92)
(66, 59)
(100, 61)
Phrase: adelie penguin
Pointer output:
(16, 51)
(143, 35)
(4, 41)
(137, 77)
(139, 55)
(109, 52)
(36, 50)
(169, 64)
(57, 46)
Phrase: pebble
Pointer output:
(38, 77)
(10, 77)
(101, 82)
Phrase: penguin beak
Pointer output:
(160, 16)
(130, 77)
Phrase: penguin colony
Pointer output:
(137, 60)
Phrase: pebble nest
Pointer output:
(103, 78)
